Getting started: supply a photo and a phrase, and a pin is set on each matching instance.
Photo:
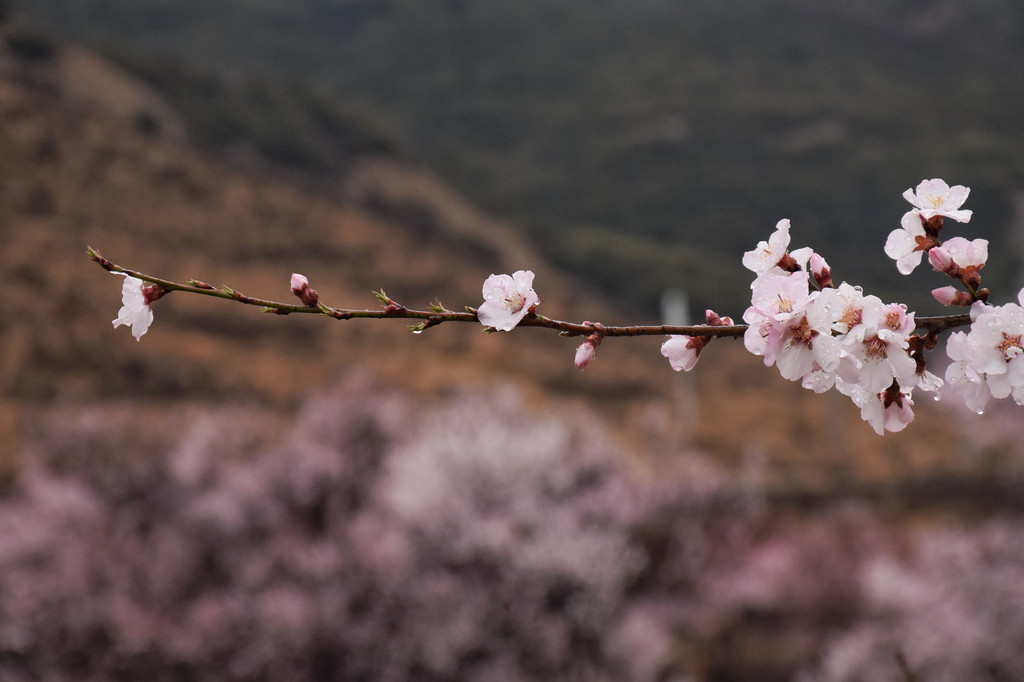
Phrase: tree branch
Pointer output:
(437, 315)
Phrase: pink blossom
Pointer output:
(768, 254)
(135, 310)
(819, 380)
(507, 300)
(683, 351)
(779, 296)
(936, 198)
(926, 381)
(967, 253)
(884, 411)
(878, 360)
(882, 353)
(895, 320)
(906, 244)
(961, 375)
(774, 300)
(801, 257)
(848, 309)
(997, 341)
(787, 329)
(806, 346)
(959, 253)
(961, 259)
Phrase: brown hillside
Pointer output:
(79, 167)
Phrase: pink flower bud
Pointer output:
(588, 349)
(951, 296)
(821, 272)
(942, 261)
(585, 353)
(715, 321)
(301, 288)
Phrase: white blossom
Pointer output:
(135, 310)
(936, 198)
(507, 300)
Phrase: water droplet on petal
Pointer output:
(979, 412)
(936, 397)
(417, 331)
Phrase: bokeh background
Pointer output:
(253, 497)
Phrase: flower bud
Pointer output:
(942, 261)
(951, 296)
(821, 272)
(585, 353)
(301, 288)
(715, 321)
(588, 349)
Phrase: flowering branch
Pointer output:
(823, 335)
(392, 310)
(438, 314)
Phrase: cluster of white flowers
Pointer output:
(825, 336)
(988, 361)
(829, 336)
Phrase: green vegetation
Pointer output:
(681, 131)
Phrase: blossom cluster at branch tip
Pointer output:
(135, 299)
(828, 336)
(507, 300)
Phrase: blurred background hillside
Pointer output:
(640, 144)
(750, 530)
